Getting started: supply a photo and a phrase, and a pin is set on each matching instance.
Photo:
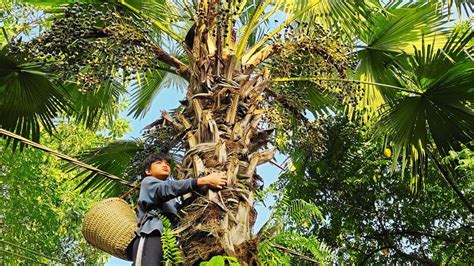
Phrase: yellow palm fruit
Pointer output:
(387, 152)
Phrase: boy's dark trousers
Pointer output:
(152, 251)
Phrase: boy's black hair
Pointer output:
(155, 157)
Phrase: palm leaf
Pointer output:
(340, 15)
(144, 90)
(113, 158)
(90, 108)
(462, 6)
(29, 100)
(391, 34)
(445, 78)
(160, 13)
(147, 86)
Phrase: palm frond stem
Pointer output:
(5, 34)
(166, 58)
(283, 79)
(277, 165)
(64, 157)
(270, 35)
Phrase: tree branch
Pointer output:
(166, 58)
(418, 233)
(368, 255)
(423, 260)
(445, 173)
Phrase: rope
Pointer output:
(65, 157)
(29, 250)
(21, 256)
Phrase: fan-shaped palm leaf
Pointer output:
(445, 79)
(339, 15)
(28, 99)
(90, 107)
(397, 31)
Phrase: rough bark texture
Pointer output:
(220, 121)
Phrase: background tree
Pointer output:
(373, 217)
(42, 212)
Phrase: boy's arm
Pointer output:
(158, 190)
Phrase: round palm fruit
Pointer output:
(387, 152)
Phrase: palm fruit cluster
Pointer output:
(311, 51)
(304, 51)
(89, 44)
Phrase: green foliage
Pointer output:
(19, 19)
(41, 211)
(285, 238)
(28, 98)
(220, 261)
(172, 254)
(114, 158)
(279, 250)
(373, 217)
(123, 158)
(463, 160)
(393, 31)
(81, 65)
(444, 80)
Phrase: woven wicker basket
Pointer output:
(110, 226)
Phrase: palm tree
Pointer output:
(244, 77)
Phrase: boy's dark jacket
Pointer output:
(159, 195)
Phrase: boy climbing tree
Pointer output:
(158, 195)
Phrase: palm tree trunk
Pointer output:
(220, 122)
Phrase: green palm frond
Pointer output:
(114, 158)
(161, 13)
(340, 15)
(282, 238)
(146, 87)
(290, 248)
(144, 90)
(393, 32)
(445, 79)
(29, 100)
(90, 107)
